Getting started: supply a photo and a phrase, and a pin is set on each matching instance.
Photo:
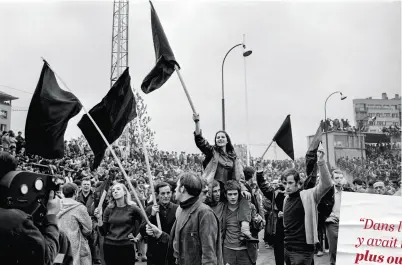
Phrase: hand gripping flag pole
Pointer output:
(110, 149)
(145, 150)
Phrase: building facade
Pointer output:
(375, 114)
(5, 111)
(342, 144)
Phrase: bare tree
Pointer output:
(147, 133)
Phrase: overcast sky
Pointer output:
(302, 52)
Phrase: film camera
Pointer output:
(27, 191)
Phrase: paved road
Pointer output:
(266, 257)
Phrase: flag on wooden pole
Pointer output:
(111, 115)
(284, 138)
(165, 60)
(49, 112)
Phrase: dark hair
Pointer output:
(86, 179)
(69, 189)
(7, 163)
(191, 182)
(232, 185)
(172, 184)
(229, 147)
(161, 185)
(134, 183)
(215, 183)
(283, 178)
(248, 173)
(358, 182)
(77, 182)
(292, 172)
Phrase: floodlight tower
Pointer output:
(119, 40)
(120, 47)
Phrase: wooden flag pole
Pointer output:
(145, 150)
(111, 150)
(185, 88)
(266, 150)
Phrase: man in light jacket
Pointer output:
(75, 222)
(300, 214)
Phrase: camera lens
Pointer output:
(38, 184)
(24, 189)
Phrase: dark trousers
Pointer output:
(236, 257)
(299, 257)
(279, 244)
(94, 245)
(332, 234)
(122, 255)
(321, 233)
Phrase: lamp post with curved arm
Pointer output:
(325, 120)
(245, 54)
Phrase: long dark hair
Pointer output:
(229, 147)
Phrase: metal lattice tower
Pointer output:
(119, 40)
(120, 49)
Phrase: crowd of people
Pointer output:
(210, 207)
(382, 163)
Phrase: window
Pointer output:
(3, 127)
(341, 141)
(380, 123)
(3, 114)
(378, 114)
(387, 114)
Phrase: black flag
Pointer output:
(284, 138)
(165, 61)
(49, 112)
(111, 115)
(311, 155)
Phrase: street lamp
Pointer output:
(325, 120)
(245, 54)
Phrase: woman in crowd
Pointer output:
(119, 224)
(222, 164)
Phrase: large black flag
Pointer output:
(111, 115)
(284, 138)
(49, 112)
(165, 60)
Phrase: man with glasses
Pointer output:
(167, 214)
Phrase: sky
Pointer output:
(302, 52)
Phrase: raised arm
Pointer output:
(201, 143)
(325, 183)
(264, 186)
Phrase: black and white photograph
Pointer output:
(193, 132)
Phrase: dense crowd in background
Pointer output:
(381, 165)
(382, 162)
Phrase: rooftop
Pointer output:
(5, 96)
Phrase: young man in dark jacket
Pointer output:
(277, 195)
(167, 214)
(195, 238)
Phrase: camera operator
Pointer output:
(21, 242)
